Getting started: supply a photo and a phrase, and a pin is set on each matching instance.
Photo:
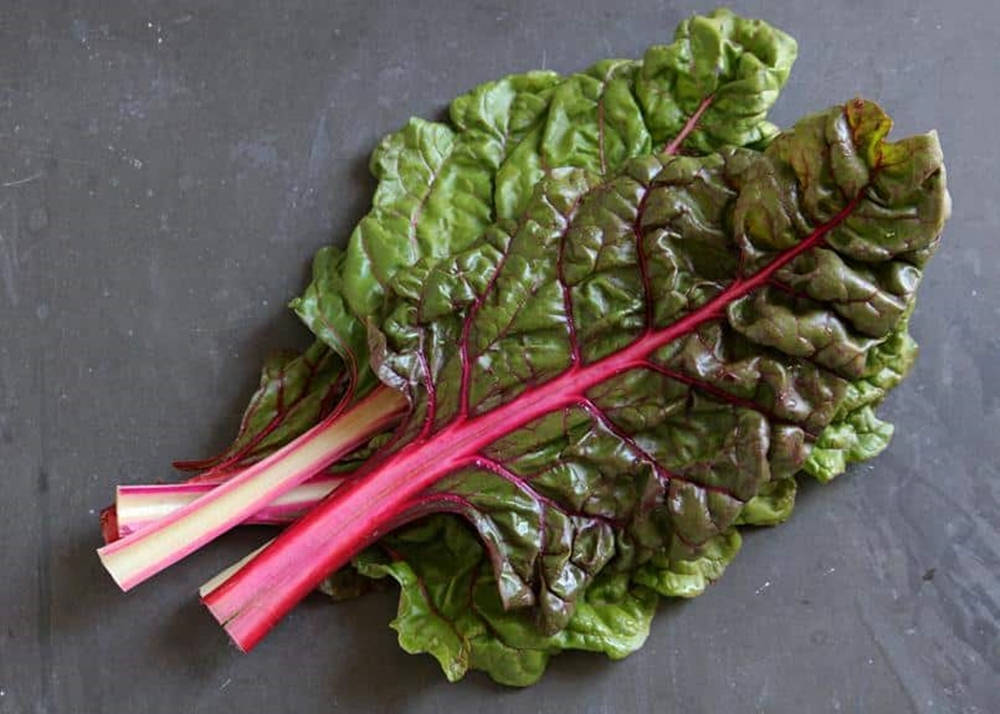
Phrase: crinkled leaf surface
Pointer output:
(556, 537)
(441, 184)
(640, 363)
(450, 607)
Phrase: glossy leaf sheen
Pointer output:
(450, 607)
(442, 183)
(607, 386)
(705, 421)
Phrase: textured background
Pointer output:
(166, 172)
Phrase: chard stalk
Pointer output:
(142, 554)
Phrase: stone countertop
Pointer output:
(166, 172)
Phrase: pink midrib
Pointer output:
(304, 554)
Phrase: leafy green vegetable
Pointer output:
(450, 607)
(798, 373)
(626, 313)
(441, 184)
(605, 387)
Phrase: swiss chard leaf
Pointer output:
(441, 184)
(712, 86)
(450, 607)
(691, 334)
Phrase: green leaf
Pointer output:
(772, 505)
(514, 251)
(606, 387)
(682, 571)
(859, 436)
(722, 71)
(856, 433)
(441, 184)
(742, 64)
(449, 608)
(783, 280)
(594, 120)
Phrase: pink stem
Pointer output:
(139, 556)
(139, 506)
(257, 595)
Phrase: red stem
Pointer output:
(139, 556)
(261, 592)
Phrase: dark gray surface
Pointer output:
(165, 175)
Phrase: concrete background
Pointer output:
(166, 172)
